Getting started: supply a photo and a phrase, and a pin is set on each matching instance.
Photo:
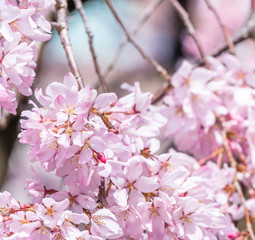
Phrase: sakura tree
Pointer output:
(119, 181)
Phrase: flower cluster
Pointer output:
(206, 102)
(215, 108)
(98, 140)
(21, 24)
(48, 220)
(170, 198)
(80, 128)
(116, 182)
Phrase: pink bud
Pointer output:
(101, 157)
(233, 235)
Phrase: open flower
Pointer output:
(104, 224)
(51, 212)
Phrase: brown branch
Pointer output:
(102, 194)
(55, 25)
(145, 16)
(247, 32)
(238, 39)
(237, 185)
(190, 28)
(151, 61)
(79, 7)
(223, 27)
(161, 93)
(62, 29)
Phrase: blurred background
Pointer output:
(162, 36)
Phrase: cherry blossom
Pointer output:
(118, 181)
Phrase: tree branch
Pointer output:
(62, 29)
(146, 15)
(189, 26)
(247, 32)
(161, 93)
(79, 7)
(151, 61)
(223, 27)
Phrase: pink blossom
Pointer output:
(7, 100)
(23, 224)
(35, 187)
(130, 222)
(21, 20)
(68, 229)
(51, 212)
(77, 203)
(104, 224)
(154, 216)
(7, 202)
(190, 220)
(67, 129)
(17, 65)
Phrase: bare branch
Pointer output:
(153, 62)
(238, 186)
(55, 25)
(145, 16)
(161, 93)
(102, 194)
(79, 7)
(223, 27)
(240, 38)
(186, 20)
(62, 29)
(247, 32)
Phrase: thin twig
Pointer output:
(190, 28)
(213, 155)
(247, 32)
(62, 29)
(237, 185)
(240, 38)
(55, 25)
(153, 62)
(223, 27)
(145, 16)
(161, 93)
(79, 7)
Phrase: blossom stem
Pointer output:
(216, 153)
(237, 185)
